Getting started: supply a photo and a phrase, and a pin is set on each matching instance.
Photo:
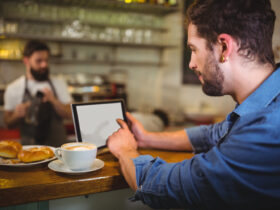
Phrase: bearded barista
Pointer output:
(36, 102)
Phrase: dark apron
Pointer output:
(42, 125)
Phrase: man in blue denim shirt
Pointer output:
(237, 165)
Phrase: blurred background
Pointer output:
(105, 49)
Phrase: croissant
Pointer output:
(35, 154)
(9, 148)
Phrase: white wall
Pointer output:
(276, 36)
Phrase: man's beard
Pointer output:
(213, 79)
(41, 74)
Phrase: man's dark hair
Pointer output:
(33, 46)
(249, 22)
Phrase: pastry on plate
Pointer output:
(9, 148)
(35, 154)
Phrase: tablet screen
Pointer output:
(95, 121)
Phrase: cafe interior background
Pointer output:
(130, 49)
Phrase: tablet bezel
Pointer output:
(76, 117)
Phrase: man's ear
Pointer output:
(25, 60)
(226, 46)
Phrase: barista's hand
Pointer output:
(48, 95)
(137, 129)
(20, 110)
(122, 141)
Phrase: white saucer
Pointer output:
(58, 166)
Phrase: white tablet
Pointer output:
(94, 122)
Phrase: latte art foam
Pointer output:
(79, 148)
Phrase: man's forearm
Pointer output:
(177, 140)
(61, 109)
(10, 119)
(128, 168)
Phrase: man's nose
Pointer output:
(192, 65)
(44, 64)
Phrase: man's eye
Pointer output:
(192, 49)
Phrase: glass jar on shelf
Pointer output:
(138, 36)
(57, 30)
(113, 34)
(2, 26)
(127, 35)
(94, 33)
(147, 36)
(11, 27)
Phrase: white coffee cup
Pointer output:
(77, 156)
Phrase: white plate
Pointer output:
(2, 160)
(58, 166)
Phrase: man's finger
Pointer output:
(46, 90)
(122, 124)
(130, 117)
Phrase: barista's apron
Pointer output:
(49, 130)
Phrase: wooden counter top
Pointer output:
(39, 183)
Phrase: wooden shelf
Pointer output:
(96, 25)
(86, 62)
(93, 62)
(144, 8)
(10, 60)
(86, 41)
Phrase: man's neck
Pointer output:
(29, 75)
(248, 79)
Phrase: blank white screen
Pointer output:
(98, 121)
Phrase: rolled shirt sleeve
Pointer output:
(9, 99)
(204, 137)
(164, 185)
(160, 184)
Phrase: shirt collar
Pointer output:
(262, 96)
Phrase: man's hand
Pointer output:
(63, 110)
(48, 95)
(123, 145)
(11, 118)
(20, 110)
(122, 141)
(138, 130)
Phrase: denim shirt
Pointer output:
(237, 165)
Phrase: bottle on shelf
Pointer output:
(141, 1)
(152, 1)
(172, 3)
(161, 2)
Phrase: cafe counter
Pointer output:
(20, 185)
